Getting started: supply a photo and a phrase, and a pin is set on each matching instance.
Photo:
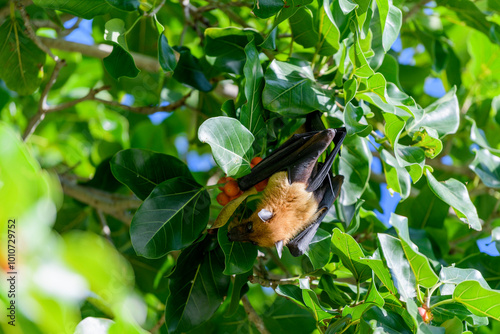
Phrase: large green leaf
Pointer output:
(487, 167)
(411, 157)
(143, 170)
(390, 21)
(239, 256)
(252, 113)
(291, 90)
(455, 194)
(398, 178)
(312, 302)
(381, 270)
(267, 8)
(400, 268)
(22, 61)
(85, 9)
(128, 5)
(361, 68)
(443, 116)
(479, 300)
(189, 72)
(319, 248)
(166, 55)
(349, 251)
(302, 28)
(373, 298)
(355, 120)
(197, 287)
(227, 45)
(477, 136)
(120, 63)
(355, 165)
(171, 218)
(330, 34)
(230, 142)
(420, 266)
(451, 276)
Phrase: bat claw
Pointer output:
(279, 247)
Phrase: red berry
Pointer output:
(222, 180)
(222, 199)
(256, 160)
(261, 185)
(231, 188)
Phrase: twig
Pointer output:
(155, 11)
(105, 227)
(100, 51)
(31, 33)
(90, 96)
(42, 103)
(270, 282)
(253, 316)
(414, 10)
(158, 325)
(112, 204)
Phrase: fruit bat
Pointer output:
(299, 194)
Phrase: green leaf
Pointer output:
(442, 116)
(487, 167)
(361, 68)
(411, 157)
(267, 8)
(452, 276)
(143, 170)
(355, 165)
(230, 142)
(197, 282)
(292, 292)
(120, 63)
(312, 302)
(400, 268)
(455, 194)
(469, 14)
(347, 6)
(349, 252)
(355, 121)
(252, 113)
(382, 272)
(227, 45)
(85, 9)
(398, 178)
(338, 297)
(166, 55)
(478, 137)
(115, 32)
(428, 138)
(22, 61)
(291, 90)
(479, 300)
(171, 218)
(284, 316)
(302, 28)
(239, 256)
(390, 21)
(330, 34)
(350, 88)
(420, 266)
(238, 288)
(128, 5)
(189, 72)
(319, 249)
(372, 299)
(290, 7)
(384, 321)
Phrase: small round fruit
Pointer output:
(256, 160)
(236, 196)
(222, 180)
(223, 199)
(261, 185)
(231, 188)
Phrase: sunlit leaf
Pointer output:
(350, 252)
(239, 256)
(479, 300)
(230, 142)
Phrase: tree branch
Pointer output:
(100, 51)
(271, 282)
(253, 316)
(115, 205)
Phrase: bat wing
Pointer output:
(330, 189)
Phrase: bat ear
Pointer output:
(279, 247)
(265, 215)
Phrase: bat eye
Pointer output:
(265, 215)
(250, 227)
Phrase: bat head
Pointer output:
(257, 229)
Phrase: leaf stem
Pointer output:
(357, 292)
(443, 302)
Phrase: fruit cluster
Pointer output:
(231, 190)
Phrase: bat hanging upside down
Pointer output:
(300, 192)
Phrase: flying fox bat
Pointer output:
(299, 193)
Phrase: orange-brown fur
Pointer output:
(293, 210)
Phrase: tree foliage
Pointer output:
(109, 110)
